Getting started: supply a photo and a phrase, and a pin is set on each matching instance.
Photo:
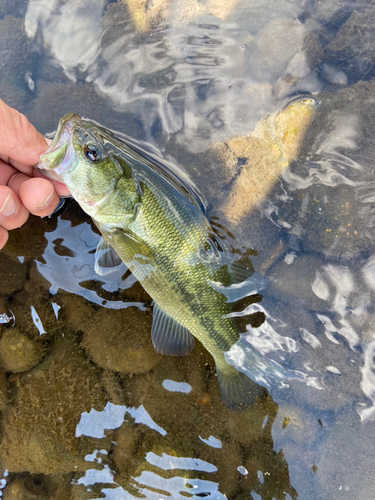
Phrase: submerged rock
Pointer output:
(116, 340)
(38, 429)
(4, 391)
(149, 390)
(336, 11)
(353, 47)
(129, 439)
(335, 221)
(38, 487)
(35, 316)
(279, 41)
(263, 156)
(329, 204)
(18, 353)
(196, 422)
(13, 275)
(121, 341)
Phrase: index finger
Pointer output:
(26, 169)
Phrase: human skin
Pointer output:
(23, 190)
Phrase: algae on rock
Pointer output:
(264, 155)
(38, 430)
(18, 353)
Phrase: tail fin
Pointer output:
(237, 390)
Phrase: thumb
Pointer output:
(18, 138)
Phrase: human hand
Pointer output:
(23, 189)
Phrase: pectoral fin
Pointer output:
(106, 259)
(168, 336)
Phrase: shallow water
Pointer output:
(89, 410)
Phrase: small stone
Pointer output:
(18, 353)
(127, 439)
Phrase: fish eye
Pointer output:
(92, 153)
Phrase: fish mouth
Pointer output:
(60, 153)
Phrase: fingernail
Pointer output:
(46, 201)
(9, 206)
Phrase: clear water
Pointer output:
(88, 409)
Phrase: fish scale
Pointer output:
(223, 331)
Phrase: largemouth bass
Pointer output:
(160, 232)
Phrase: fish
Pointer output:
(152, 222)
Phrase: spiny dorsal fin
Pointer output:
(168, 336)
(106, 259)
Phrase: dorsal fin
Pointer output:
(168, 336)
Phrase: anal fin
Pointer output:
(168, 336)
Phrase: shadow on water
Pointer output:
(88, 408)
